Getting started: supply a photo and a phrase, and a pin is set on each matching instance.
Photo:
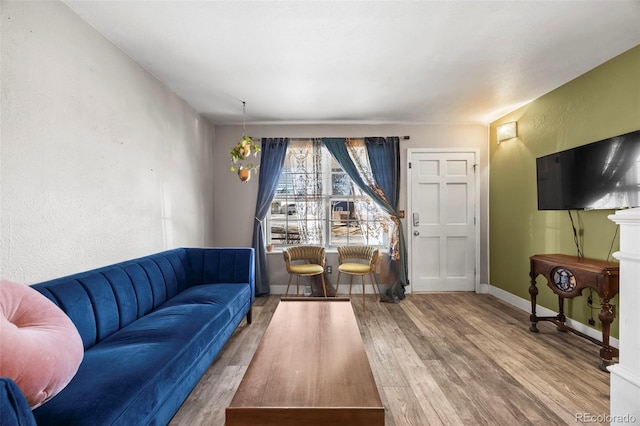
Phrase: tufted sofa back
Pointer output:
(104, 300)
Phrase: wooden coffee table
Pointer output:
(310, 368)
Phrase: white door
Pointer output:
(442, 230)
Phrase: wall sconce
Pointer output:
(507, 131)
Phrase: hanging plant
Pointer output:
(244, 175)
(243, 150)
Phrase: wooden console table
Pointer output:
(310, 369)
(567, 276)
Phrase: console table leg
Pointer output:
(561, 318)
(533, 291)
(606, 316)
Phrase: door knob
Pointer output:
(416, 233)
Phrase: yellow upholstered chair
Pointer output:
(304, 261)
(357, 260)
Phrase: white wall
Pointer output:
(235, 201)
(100, 162)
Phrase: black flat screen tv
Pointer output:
(599, 175)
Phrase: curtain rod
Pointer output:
(406, 138)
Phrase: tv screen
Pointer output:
(599, 175)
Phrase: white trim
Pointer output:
(476, 160)
(626, 374)
(525, 305)
(624, 395)
(488, 242)
(627, 256)
(305, 289)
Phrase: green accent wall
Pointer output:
(602, 103)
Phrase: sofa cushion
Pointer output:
(39, 345)
(232, 296)
(179, 339)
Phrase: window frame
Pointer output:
(329, 199)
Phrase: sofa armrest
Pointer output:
(223, 265)
(14, 408)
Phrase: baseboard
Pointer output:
(280, 289)
(525, 305)
(625, 394)
(305, 290)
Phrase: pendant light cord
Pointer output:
(244, 117)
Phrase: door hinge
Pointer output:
(409, 164)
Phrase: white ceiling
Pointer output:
(364, 61)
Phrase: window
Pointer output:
(316, 203)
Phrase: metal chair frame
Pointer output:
(369, 256)
(314, 255)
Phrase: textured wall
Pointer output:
(100, 162)
(235, 204)
(599, 104)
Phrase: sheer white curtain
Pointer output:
(305, 161)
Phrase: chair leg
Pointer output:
(338, 283)
(350, 284)
(324, 287)
(298, 286)
(288, 284)
(363, 292)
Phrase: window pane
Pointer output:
(341, 209)
(284, 233)
(306, 184)
(283, 223)
(280, 207)
(340, 184)
(285, 184)
(344, 227)
(373, 233)
(374, 223)
(345, 233)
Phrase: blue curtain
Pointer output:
(383, 168)
(384, 158)
(271, 162)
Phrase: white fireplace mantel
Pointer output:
(625, 375)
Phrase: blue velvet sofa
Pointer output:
(150, 328)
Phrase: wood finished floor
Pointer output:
(441, 359)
